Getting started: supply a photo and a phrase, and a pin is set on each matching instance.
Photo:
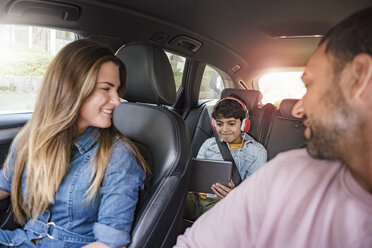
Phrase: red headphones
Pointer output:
(246, 123)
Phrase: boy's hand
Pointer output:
(221, 190)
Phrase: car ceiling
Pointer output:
(244, 33)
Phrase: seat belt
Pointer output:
(226, 154)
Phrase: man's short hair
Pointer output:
(229, 108)
(350, 37)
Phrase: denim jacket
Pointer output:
(248, 159)
(73, 222)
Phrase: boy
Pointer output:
(230, 120)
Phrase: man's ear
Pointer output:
(361, 69)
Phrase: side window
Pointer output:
(178, 64)
(211, 85)
(280, 85)
(26, 52)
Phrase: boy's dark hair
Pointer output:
(350, 37)
(229, 108)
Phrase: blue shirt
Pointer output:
(75, 222)
(248, 159)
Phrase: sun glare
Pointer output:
(6, 52)
(281, 85)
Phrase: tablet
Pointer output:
(205, 172)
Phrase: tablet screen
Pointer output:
(206, 172)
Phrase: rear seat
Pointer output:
(275, 128)
(284, 132)
(203, 129)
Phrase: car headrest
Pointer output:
(251, 98)
(149, 74)
(286, 106)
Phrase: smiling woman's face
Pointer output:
(97, 110)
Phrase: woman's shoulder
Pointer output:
(119, 144)
(120, 153)
(123, 164)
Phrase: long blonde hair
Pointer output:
(43, 146)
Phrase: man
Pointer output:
(321, 197)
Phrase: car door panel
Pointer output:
(10, 125)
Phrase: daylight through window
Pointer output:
(211, 85)
(26, 52)
(178, 64)
(281, 85)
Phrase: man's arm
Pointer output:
(3, 194)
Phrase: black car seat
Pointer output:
(163, 139)
(285, 132)
(203, 129)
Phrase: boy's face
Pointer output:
(229, 130)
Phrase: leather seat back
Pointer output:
(162, 136)
(285, 132)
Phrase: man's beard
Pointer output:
(329, 137)
(325, 141)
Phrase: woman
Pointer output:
(73, 178)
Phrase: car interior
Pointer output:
(161, 135)
(180, 56)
